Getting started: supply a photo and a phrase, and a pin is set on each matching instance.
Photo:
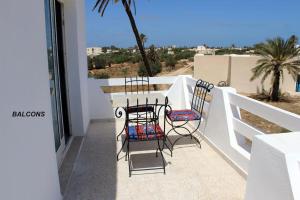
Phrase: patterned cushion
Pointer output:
(183, 115)
(139, 132)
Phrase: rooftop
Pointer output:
(236, 161)
(192, 173)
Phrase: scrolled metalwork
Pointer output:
(119, 112)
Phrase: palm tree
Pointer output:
(143, 39)
(277, 55)
(102, 4)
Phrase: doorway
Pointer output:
(57, 75)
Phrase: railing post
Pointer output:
(219, 129)
(274, 170)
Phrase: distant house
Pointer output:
(94, 51)
(170, 51)
(204, 50)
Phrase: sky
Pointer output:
(194, 22)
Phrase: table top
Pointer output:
(121, 101)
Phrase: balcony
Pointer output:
(221, 169)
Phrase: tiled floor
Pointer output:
(192, 173)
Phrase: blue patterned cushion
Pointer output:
(183, 115)
(139, 132)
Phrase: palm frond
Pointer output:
(102, 5)
(266, 75)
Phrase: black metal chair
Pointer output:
(179, 119)
(136, 85)
(142, 124)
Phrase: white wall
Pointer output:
(28, 168)
(274, 172)
(100, 104)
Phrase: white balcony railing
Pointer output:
(223, 129)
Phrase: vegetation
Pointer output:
(107, 59)
(171, 62)
(102, 4)
(101, 76)
(154, 61)
(96, 62)
(277, 55)
(232, 51)
(127, 56)
(155, 68)
(184, 54)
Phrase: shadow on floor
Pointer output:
(151, 145)
(95, 172)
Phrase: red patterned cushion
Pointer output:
(183, 115)
(139, 132)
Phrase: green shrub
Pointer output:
(100, 62)
(90, 63)
(171, 62)
(155, 68)
(184, 54)
(136, 58)
(103, 75)
(230, 51)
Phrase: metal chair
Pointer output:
(142, 124)
(135, 85)
(143, 82)
(179, 119)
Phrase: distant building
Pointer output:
(94, 51)
(205, 51)
(170, 51)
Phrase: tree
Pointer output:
(143, 39)
(102, 4)
(154, 61)
(152, 55)
(277, 55)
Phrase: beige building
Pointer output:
(236, 71)
(94, 51)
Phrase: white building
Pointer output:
(170, 51)
(47, 103)
(205, 51)
(94, 51)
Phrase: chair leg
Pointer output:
(120, 133)
(168, 148)
(128, 158)
(162, 156)
(196, 139)
(123, 144)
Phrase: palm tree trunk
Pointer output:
(275, 87)
(137, 37)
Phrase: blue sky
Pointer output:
(195, 22)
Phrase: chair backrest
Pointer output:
(146, 114)
(202, 88)
(137, 84)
